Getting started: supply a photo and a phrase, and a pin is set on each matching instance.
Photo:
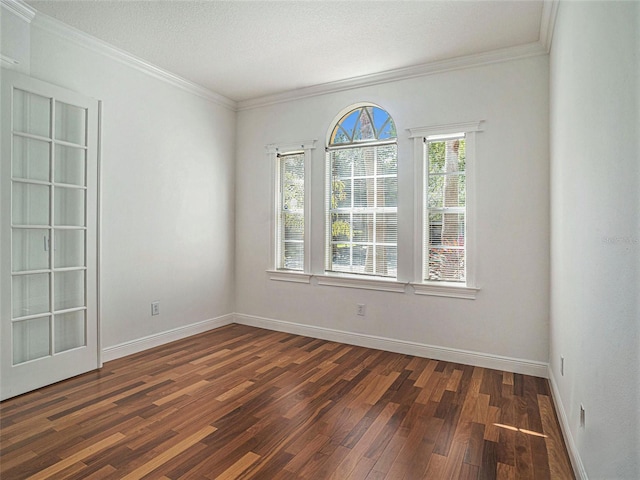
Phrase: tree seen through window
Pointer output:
(363, 169)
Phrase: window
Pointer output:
(445, 181)
(362, 194)
(444, 175)
(290, 230)
(291, 206)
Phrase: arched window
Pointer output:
(363, 124)
(362, 186)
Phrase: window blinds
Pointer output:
(290, 231)
(363, 210)
(445, 210)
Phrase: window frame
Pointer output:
(354, 279)
(275, 152)
(421, 136)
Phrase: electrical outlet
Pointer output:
(361, 309)
(155, 308)
(562, 366)
(582, 416)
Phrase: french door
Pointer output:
(48, 201)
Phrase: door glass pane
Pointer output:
(70, 123)
(69, 290)
(69, 248)
(30, 159)
(30, 339)
(31, 113)
(30, 249)
(69, 331)
(69, 206)
(30, 294)
(70, 165)
(30, 204)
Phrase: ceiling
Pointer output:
(250, 49)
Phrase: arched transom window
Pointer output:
(362, 203)
(363, 124)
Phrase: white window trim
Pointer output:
(469, 289)
(293, 276)
(336, 279)
(444, 289)
(273, 150)
(346, 279)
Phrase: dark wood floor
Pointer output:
(241, 402)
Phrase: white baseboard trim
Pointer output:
(485, 360)
(574, 456)
(157, 339)
(526, 367)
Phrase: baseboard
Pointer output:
(155, 340)
(516, 365)
(574, 456)
(526, 367)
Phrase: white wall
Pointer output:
(15, 44)
(169, 217)
(510, 315)
(595, 248)
(168, 183)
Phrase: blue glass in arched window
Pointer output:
(363, 124)
(362, 193)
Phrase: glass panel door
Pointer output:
(49, 186)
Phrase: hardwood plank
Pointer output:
(304, 455)
(242, 402)
(362, 469)
(559, 466)
(539, 457)
(473, 455)
(240, 466)
(506, 472)
(436, 466)
(489, 467)
(469, 472)
(524, 468)
(81, 455)
(166, 455)
(454, 381)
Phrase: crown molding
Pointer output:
(62, 30)
(8, 61)
(19, 8)
(548, 22)
(458, 63)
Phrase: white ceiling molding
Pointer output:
(547, 23)
(58, 28)
(19, 8)
(8, 61)
(485, 58)
(78, 37)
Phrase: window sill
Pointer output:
(289, 276)
(355, 281)
(443, 289)
(451, 290)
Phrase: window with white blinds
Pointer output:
(444, 257)
(290, 218)
(362, 201)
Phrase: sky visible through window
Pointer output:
(363, 124)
